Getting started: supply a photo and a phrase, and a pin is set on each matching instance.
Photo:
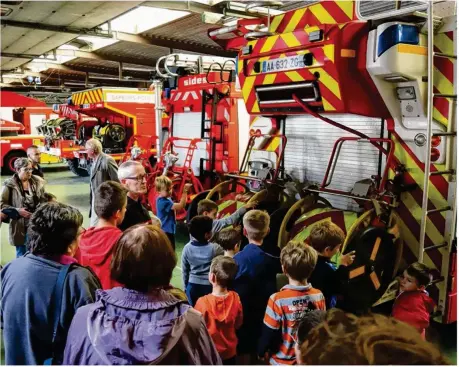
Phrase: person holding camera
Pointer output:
(21, 195)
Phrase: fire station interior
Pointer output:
(318, 111)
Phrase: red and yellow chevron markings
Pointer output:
(293, 29)
(87, 97)
(443, 75)
(410, 207)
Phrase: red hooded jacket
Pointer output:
(414, 308)
(223, 315)
(96, 250)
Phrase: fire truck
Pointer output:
(111, 115)
(20, 118)
(366, 98)
(204, 113)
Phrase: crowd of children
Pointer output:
(249, 318)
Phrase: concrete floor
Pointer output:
(74, 191)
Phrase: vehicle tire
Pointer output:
(74, 167)
(8, 161)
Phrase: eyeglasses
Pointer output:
(138, 178)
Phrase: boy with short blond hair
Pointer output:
(255, 280)
(165, 207)
(287, 307)
(222, 310)
(229, 240)
(327, 238)
(210, 209)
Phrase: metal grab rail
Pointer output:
(337, 148)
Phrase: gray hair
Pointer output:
(21, 163)
(125, 169)
(95, 145)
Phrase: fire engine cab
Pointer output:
(365, 98)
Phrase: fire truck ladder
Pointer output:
(449, 171)
(208, 123)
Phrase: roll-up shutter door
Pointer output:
(309, 147)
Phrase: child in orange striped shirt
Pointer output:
(287, 307)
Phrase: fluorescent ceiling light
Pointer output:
(144, 18)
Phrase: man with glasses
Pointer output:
(133, 177)
(33, 153)
(103, 168)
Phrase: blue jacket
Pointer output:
(327, 278)
(255, 282)
(196, 259)
(126, 327)
(27, 285)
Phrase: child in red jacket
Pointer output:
(97, 243)
(413, 305)
(222, 310)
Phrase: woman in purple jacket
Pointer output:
(141, 323)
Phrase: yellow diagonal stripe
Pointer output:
(290, 40)
(437, 115)
(347, 7)
(308, 29)
(294, 76)
(99, 91)
(413, 243)
(444, 43)
(442, 83)
(329, 51)
(269, 43)
(93, 96)
(273, 145)
(256, 107)
(275, 22)
(416, 212)
(328, 81)
(297, 15)
(269, 79)
(322, 14)
(247, 87)
(90, 97)
(418, 175)
(327, 105)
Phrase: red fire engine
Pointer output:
(370, 138)
(20, 117)
(112, 115)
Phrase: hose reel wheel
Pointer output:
(377, 257)
(117, 133)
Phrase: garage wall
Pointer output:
(309, 147)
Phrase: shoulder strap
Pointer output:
(56, 306)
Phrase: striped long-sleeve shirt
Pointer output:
(284, 310)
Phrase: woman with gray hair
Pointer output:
(21, 195)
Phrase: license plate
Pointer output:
(86, 105)
(283, 63)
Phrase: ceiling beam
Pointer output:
(191, 6)
(173, 43)
(116, 58)
(58, 29)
